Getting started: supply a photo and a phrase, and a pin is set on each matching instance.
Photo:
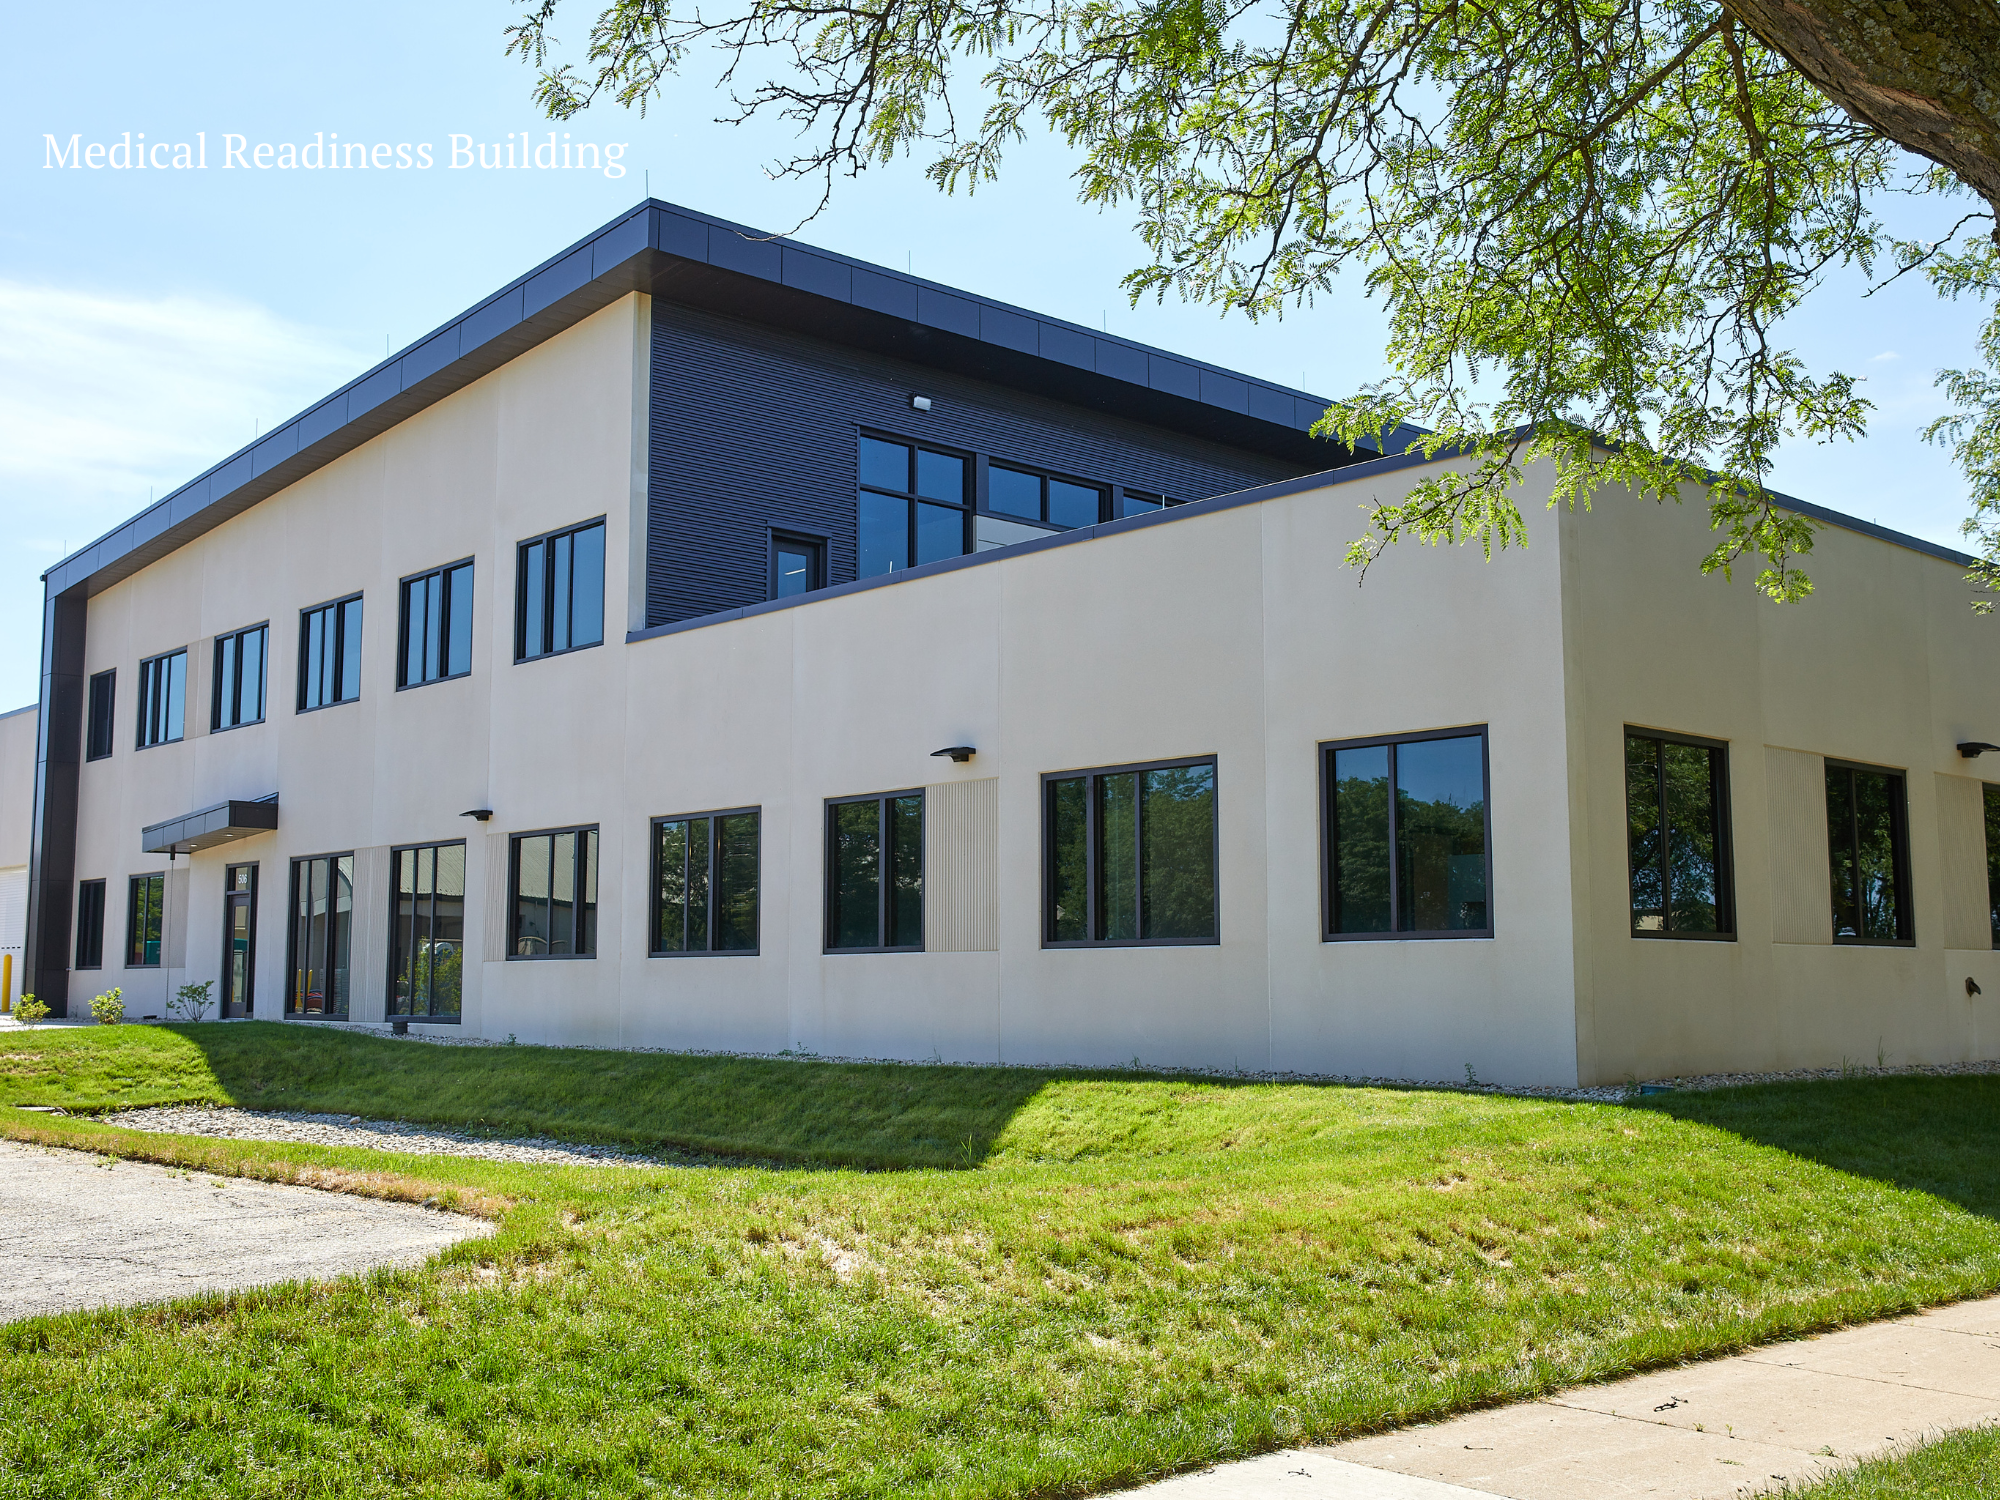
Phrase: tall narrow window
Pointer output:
(1868, 846)
(875, 873)
(1993, 857)
(330, 654)
(705, 883)
(1407, 847)
(913, 506)
(239, 678)
(162, 699)
(103, 711)
(90, 924)
(553, 881)
(239, 943)
(144, 921)
(798, 565)
(427, 933)
(559, 592)
(1677, 834)
(322, 933)
(1130, 855)
(436, 626)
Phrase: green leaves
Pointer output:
(1581, 216)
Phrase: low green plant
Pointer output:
(108, 1009)
(28, 1010)
(191, 1001)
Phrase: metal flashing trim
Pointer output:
(26, 708)
(212, 826)
(688, 257)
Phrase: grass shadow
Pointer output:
(1936, 1135)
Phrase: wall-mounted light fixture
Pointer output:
(920, 403)
(959, 754)
(1972, 987)
(478, 814)
(1970, 748)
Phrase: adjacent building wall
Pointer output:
(17, 806)
(1884, 664)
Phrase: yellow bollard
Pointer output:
(6, 984)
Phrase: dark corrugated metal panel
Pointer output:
(754, 429)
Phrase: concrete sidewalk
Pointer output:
(1785, 1414)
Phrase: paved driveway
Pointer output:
(77, 1233)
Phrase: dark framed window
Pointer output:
(1143, 502)
(239, 943)
(1130, 855)
(330, 654)
(239, 678)
(552, 891)
(1408, 839)
(322, 933)
(798, 564)
(913, 505)
(103, 713)
(1033, 495)
(162, 698)
(875, 873)
(705, 869)
(434, 639)
(559, 592)
(427, 932)
(1868, 847)
(90, 924)
(1677, 836)
(145, 905)
(1993, 857)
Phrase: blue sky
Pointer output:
(153, 321)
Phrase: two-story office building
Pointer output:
(708, 641)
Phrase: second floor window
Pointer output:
(912, 507)
(162, 698)
(437, 626)
(1868, 846)
(559, 595)
(1677, 832)
(330, 654)
(103, 710)
(143, 922)
(239, 678)
(1066, 503)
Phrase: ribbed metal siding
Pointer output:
(753, 429)
(962, 866)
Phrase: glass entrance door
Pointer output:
(239, 940)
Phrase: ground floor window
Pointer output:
(239, 942)
(1993, 858)
(1677, 835)
(322, 932)
(1868, 848)
(875, 873)
(552, 886)
(427, 932)
(145, 901)
(90, 924)
(705, 883)
(1130, 855)
(1407, 846)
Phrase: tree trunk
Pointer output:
(1926, 73)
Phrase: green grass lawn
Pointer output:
(1964, 1466)
(1071, 1282)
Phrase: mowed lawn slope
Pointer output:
(1130, 1275)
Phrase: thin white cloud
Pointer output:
(1884, 357)
(105, 394)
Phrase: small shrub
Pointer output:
(191, 1001)
(28, 1010)
(109, 1009)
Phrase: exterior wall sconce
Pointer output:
(959, 754)
(1972, 987)
(1970, 748)
(478, 814)
(920, 403)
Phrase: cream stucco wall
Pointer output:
(1233, 632)
(1885, 664)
